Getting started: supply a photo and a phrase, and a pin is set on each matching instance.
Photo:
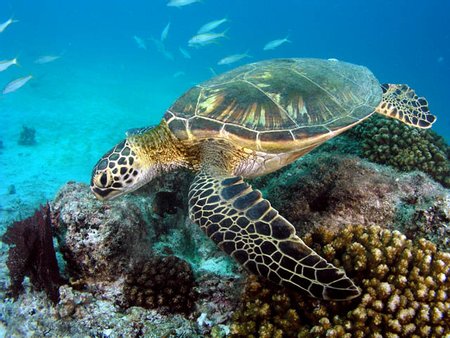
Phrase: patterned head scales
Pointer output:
(116, 172)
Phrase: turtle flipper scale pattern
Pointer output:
(400, 102)
(245, 226)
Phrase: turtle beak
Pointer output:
(105, 194)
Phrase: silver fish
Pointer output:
(181, 3)
(178, 74)
(207, 27)
(276, 43)
(233, 58)
(46, 59)
(184, 52)
(140, 42)
(161, 48)
(5, 25)
(165, 32)
(16, 84)
(4, 65)
(204, 39)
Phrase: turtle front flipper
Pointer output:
(245, 226)
(401, 102)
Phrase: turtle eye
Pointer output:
(103, 179)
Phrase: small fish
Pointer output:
(16, 84)
(178, 74)
(207, 27)
(275, 43)
(333, 59)
(165, 32)
(46, 59)
(5, 25)
(181, 3)
(4, 65)
(205, 39)
(161, 48)
(233, 58)
(168, 55)
(184, 53)
(140, 42)
(213, 72)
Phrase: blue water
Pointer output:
(103, 84)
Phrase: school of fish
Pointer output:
(18, 83)
(206, 35)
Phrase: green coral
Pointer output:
(404, 286)
(406, 148)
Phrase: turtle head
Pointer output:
(119, 171)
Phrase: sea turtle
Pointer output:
(249, 122)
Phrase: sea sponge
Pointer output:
(391, 142)
(163, 282)
(404, 286)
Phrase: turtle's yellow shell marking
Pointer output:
(277, 105)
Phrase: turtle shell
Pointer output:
(277, 104)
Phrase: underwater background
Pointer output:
(112, 73)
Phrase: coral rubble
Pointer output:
(405, 288)
(32, 254)
(391, 142)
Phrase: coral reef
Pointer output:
(27, 136)
(166, 283)
(114, 257)
(218, 298)
(32, 254)
(103, 240)
(391, 142)
(99, 240)
(80, 314)
(324, 188)
(404, 285)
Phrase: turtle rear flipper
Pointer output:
(246, 227)
(401, 102)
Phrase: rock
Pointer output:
(325, 189)
(99, 241)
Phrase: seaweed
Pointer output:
(32, 254)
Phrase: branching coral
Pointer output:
(391, 142)
(166, 283)
(404, 285)
(32, 254)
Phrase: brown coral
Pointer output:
(32, 254)
(404, 291)
(166, 283)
